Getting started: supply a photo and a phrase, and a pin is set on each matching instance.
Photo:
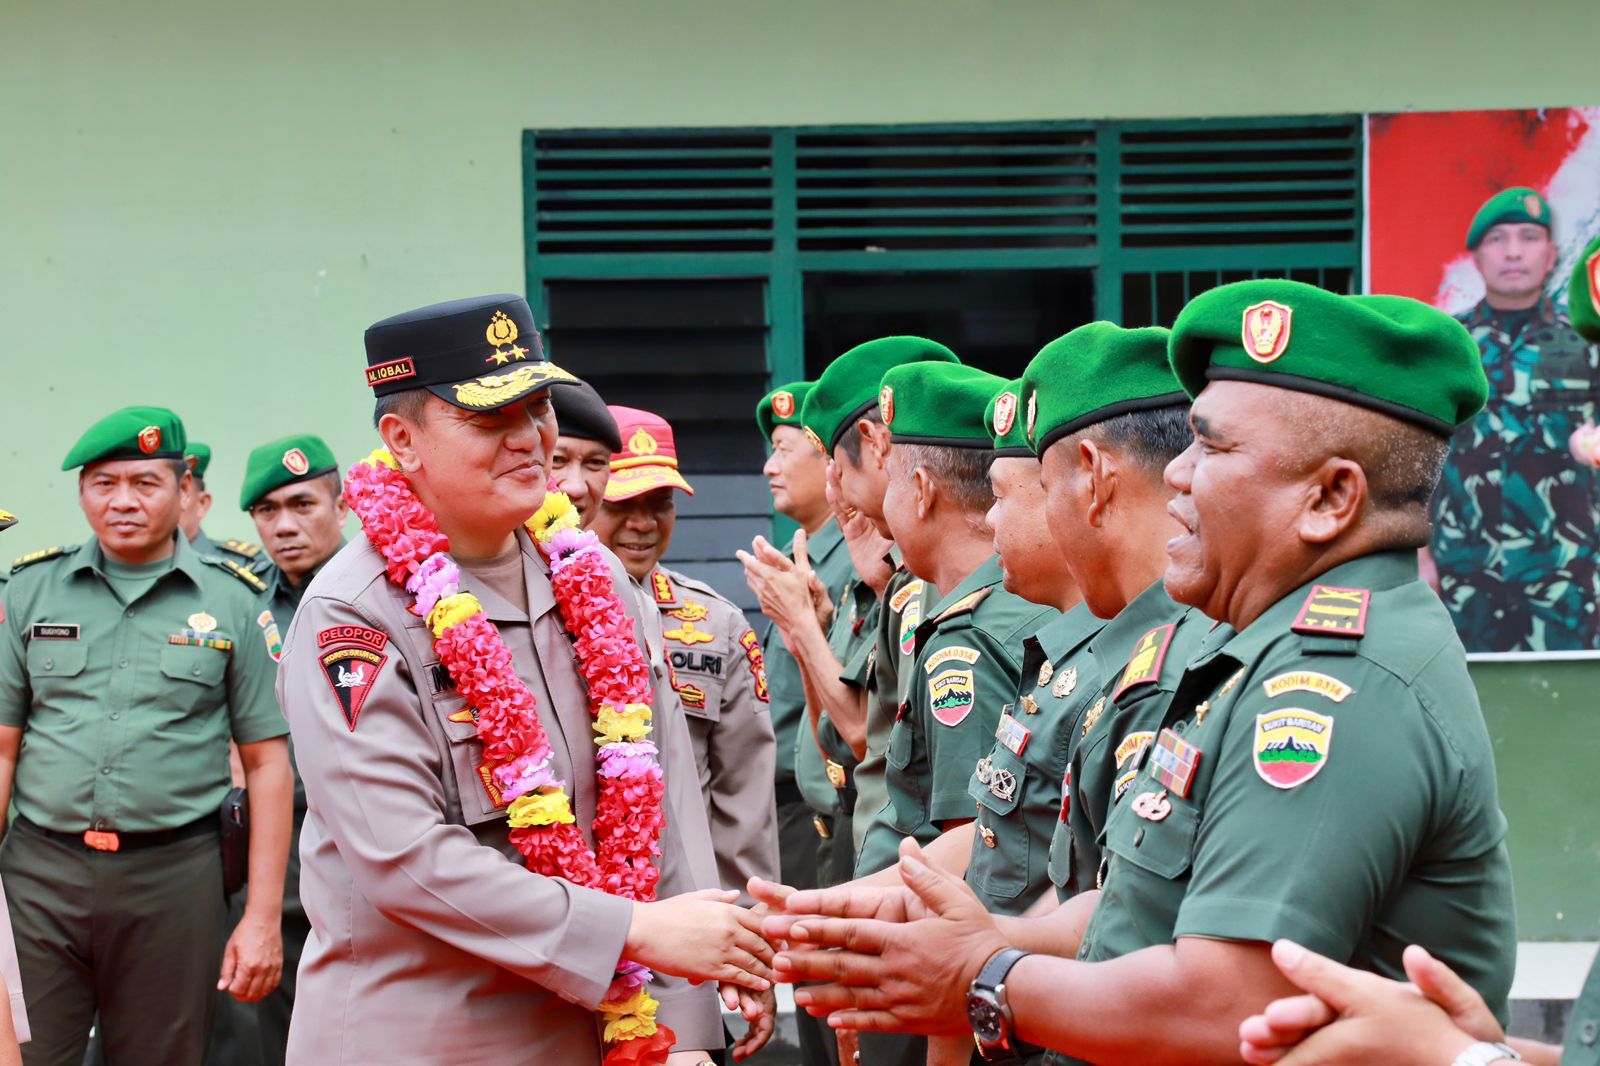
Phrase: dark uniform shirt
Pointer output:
(1325, 776)
(1143, 651)
(127, 706)
(1516, 517)
(1019, 784)
(968, 662)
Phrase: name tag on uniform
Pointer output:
(1173, 762)
(54, 631)
(1012, 734)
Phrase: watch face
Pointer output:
(984, 1015)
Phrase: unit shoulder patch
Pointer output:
(1291, 746)
(951, 695)
(758, 662)
(251, 581)
(899, 600)
(22, 563)
(955, 652)
(1330, 611)
(965, 605)
(1307, 681)
(1144, 665)
(352, 657)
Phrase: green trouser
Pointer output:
(130, 934)
(893, 1049)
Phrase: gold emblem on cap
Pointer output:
(295, 461)
(1533, 206)
(498, 389)
(150, 439)
(201, 622)
(1005, 413)
(642, 443)
(1266, 330)
(886, 404)
(811, 435)
(1594, 281)
(501, 333)
(1033, 413)
(783, 404)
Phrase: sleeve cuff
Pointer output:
(591, 944)
(1267, 920)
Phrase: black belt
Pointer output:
(111, 840)
(787, 793)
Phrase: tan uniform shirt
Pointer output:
(720, 677)
(429, 940)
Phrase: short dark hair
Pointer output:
(963, 472)
(1152, 438)
(851, 441)
(408, 404)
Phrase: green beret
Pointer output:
(131, 433)
(1519, 204)
(781, 407)
(1094, 373)
(200, 456)
(938, 403)
(848, 389)
(1583, 292)
(1388, 353)
(1007, 427)
(284, 462)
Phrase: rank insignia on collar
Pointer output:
(1093, 716)
(1173, 762)
(1336, 612)
(661, 588)
(1066, 681)
(1046, 669)
(1144, 666)
(1013, 735)
(1291, 746)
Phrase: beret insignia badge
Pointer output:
(1594, 280)
(816, 441)
(1266, 330)
(1033, 413)
(295, 461)
(1005, 413)
(886, 404)
(502, 336)
(150, 439)
(1533, 206)
(642, 443)
(783, 404)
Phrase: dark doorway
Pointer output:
(994, 319)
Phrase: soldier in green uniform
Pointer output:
(197, 505)
(126, 664)
(1516, 539)
(294, 493)
(1322, 772)
(842, 416)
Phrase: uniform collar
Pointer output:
(1377, 572)
(987, 573)
(203, 545)
(1484, 315)
(536, 579)
(278, 585)
(185, 559)
(824, 542)
(1061, 636)
(1151, 608)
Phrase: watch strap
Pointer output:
(1485, 1053)
(994, 971)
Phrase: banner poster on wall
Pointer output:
(1484, 214)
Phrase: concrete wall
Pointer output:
(202, 204)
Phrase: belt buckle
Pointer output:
(820, 826)
(101, 841)
(836, 776)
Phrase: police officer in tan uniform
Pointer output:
(431, 942)
(716, 658)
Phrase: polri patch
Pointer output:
(1334, 612)
(1307, 681)
(1173, 762)
(352, 658)
(1144, 666)
(54, 631)
(1291, 746)
(951, 695)
(758, 662)
(693, 696)
(1012, 734)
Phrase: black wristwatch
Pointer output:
(988, 1013)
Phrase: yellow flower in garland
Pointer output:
(630, 723)
(381, 457)
(540, 808)
(556, 513)
(631, 1018)
(452, 610)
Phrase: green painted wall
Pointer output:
(203, 204)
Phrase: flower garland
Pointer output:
(1585, 444)
(516, 750)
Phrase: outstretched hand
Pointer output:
(894, 959)
(701, 936)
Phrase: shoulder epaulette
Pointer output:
(18, 565)
(242, 573)
(1330, 611)
(661, 588)
(965, 605)
(241, 547)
